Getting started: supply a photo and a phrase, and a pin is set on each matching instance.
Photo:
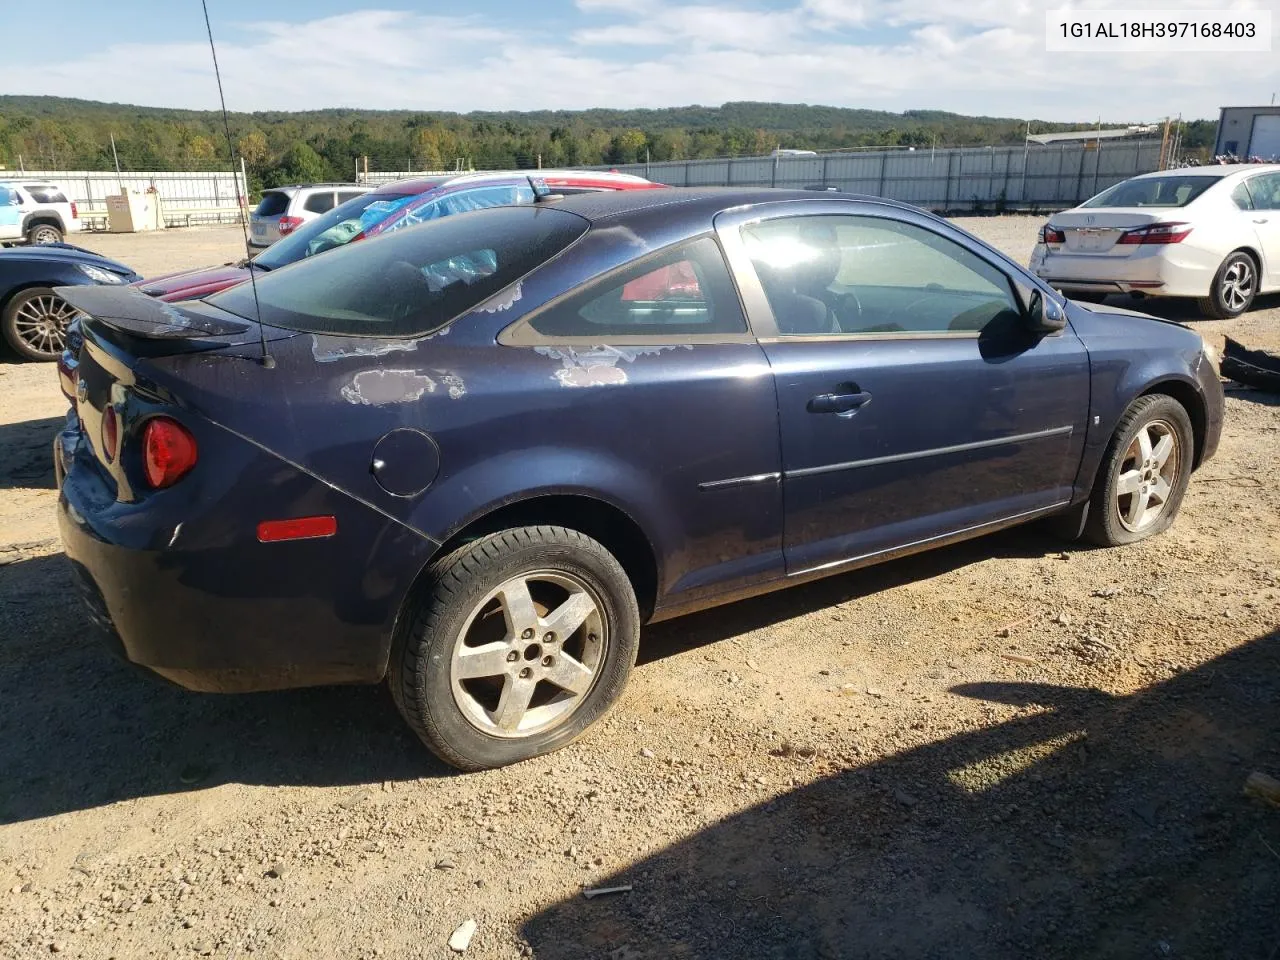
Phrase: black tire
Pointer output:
(420, 672)
(1222, 303)
(15, 320)
(42, 234)
(1103, 523)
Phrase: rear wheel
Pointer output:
(517, 643)
(35, 323)
(1234, 287)
(43, 234)
(1144, 474)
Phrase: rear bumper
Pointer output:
(1171, 270)
(172, 586)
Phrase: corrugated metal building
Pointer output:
(1249, 132)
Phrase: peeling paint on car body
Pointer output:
(457, 386)
(326, 349)
(598, 366)
(379, 387)
(503, 300)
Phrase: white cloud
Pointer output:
(980, 56)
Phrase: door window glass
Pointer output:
(862, 276)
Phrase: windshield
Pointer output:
(411, 281)
(1171, 191)
(340, 225)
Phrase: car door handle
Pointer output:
(839, 403)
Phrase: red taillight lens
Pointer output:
(110, 434)
(1157, 233)
(299, 528)
(75, 212)
(287, 225)
(168, 451)
(1050, 234)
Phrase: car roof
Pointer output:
(1218, 170)
(584, 178)
(285, 188)
(699, 201)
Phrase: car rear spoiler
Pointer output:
(131, 311)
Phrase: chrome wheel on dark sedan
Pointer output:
(1144, 473)
(35, 323)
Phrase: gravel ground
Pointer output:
(1000, 749)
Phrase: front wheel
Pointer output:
(1234, 287)
(1144, 473)
(516, 644)
(34, 323)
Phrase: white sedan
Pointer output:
(1212, 233)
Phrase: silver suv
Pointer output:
(283, 210)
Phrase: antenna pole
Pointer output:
(268, 361)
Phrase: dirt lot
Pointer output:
(994, 750)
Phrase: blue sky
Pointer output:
(970, 56)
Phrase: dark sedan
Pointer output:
(474, 457)
(34, 319)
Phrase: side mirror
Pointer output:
(1045, 315)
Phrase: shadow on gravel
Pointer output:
(81, 729)
(720, 623)
(1252, 395)
(26, 453)
(1182, 310)
(1097, 827)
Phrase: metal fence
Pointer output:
(946, 180)
(212, 197)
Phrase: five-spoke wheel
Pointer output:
(1144, 473)
(516, 643)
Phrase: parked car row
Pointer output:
(471, 458)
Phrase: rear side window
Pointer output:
(46, 194)
(413, 281)
(1240, 197)
(683, 291)
(319, 202)
(345, 195)
(273, 204)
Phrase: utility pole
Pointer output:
(116, 156)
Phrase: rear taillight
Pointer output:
(1050, 234)
(110, 434)
(286, 225)
(67, 376)
(1157, 233)
(75, 213)
(168, 451)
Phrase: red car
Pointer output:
(390, 207)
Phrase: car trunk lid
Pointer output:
(1096, 232)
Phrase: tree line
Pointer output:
(288, 147)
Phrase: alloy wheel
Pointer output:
(528, 654)
(1237, 285)
(1148, 476)
(41, 323)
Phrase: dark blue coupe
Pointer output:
(475, 456)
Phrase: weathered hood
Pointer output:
(194, 284)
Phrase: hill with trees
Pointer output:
(280, 147)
